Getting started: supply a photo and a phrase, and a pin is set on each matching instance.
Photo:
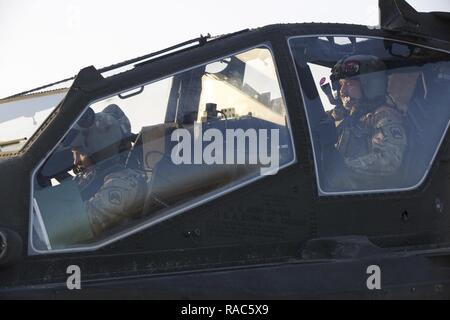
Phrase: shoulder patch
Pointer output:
(384, 116)
(115, 197)
(396, 132)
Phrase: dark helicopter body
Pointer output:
(278, 237)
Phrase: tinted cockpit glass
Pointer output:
(145, 154)
(377, 110)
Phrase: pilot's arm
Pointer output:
(388, 144)
(121, 197)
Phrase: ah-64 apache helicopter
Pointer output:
(337, 184)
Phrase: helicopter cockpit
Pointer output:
(403, 110)
(189, 137)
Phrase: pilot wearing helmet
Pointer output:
(371, 135)
(111, 192)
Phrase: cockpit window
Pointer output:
(146, 154)
(21, 117)
(377, 110)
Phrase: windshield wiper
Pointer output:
(11, 142)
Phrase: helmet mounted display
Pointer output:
(369, 70)
(98, 135)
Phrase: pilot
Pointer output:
(111, 192)
(371, 135)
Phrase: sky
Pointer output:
(43, 41)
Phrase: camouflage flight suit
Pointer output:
(112, 196)
(372, 144)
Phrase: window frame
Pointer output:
(323, 193)
(178, 209)
(37, 95)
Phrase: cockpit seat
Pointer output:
(149, 147)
